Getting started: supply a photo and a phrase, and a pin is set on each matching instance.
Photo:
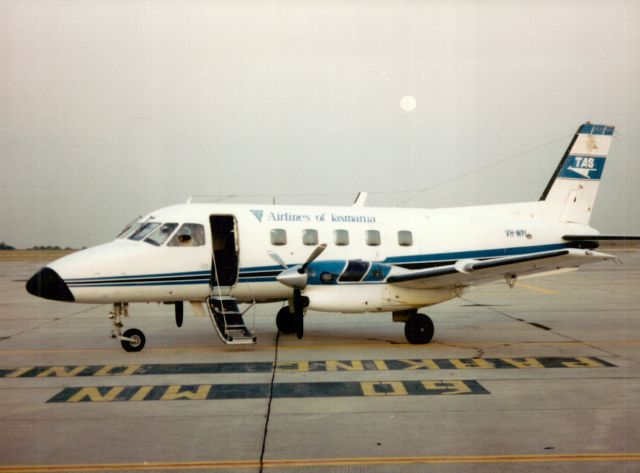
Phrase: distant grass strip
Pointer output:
(33, 256)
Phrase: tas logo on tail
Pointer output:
(583, 167)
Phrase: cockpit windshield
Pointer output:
(159, 236)
(143, 231)
(129, 229)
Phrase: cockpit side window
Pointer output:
(160, 235)
(189, 234)
(143, 231)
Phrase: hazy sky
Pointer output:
(111, 109)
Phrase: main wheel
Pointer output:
(418, 329)
(137, 340)
(285, 321)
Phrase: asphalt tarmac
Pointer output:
(542, 377)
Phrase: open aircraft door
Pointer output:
(224, 257)
(223, 309)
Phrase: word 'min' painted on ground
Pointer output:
(306, 366)
(262, 391)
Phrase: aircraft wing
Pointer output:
(469, 272)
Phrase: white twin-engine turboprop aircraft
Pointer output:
(335, 259)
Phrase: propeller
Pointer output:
(296, 278)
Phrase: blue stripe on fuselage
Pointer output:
(247, 274)
(474, 254)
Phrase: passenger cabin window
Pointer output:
(405, 238)
(159, 236)
(144, 230)
(278, 237)
(341, 237)
(310, 237)
(189, 234)
(373, 238)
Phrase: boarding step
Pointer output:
(228, 322)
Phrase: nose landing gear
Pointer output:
(132, 339)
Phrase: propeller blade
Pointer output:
(298, 313)
(317, 252)
(179, 306)
(276, 257)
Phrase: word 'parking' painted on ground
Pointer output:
(305, 366)
(262, 391)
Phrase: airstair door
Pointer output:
(224, 259)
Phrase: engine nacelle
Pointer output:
(360, 298)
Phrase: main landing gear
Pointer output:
(290, 318)
(285, 322)
(418, 328)
(132, 339)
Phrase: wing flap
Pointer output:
(469, 272)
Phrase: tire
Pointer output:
(285, 322)
(418, 329)
(138, 340)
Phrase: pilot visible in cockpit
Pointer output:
(190, 234)
(185, 240)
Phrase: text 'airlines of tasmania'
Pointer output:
(335, 259)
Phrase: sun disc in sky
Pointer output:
(408, 103)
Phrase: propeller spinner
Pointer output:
(296, 277)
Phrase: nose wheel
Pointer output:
(132, 340)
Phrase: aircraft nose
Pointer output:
(48, 284)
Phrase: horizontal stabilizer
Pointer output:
(469, 272)
(601, 237)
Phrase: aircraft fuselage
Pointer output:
(135, 270)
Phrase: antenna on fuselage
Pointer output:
(361, 198)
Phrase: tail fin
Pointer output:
(572, 190)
